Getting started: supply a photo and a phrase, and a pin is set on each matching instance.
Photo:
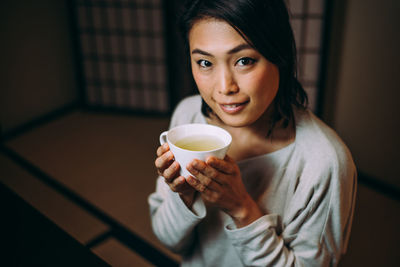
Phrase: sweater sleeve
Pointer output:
(172, 222)
(314, 234)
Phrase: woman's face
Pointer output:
(234, 79)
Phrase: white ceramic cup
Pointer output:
(184, 156)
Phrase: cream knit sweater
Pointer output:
(307, 191)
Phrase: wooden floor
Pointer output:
(91, 174)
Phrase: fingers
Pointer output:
(162, 149)
(209, 193)
(226, 166)
(200, 168)
(164, 161)
(212, 174)
(206, 176)
(165, 164)
(178, 184)
(196, 184)
(171, 172)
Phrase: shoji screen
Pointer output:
(124, 59)
(123, 53)
(307, 18)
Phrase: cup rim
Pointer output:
(228, 143)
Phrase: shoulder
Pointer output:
(320, 149)
(188, 110)
(189, 104)
(325, 173)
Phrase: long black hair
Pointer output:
(265, 25)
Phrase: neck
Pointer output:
(258, 138)
(264, 127)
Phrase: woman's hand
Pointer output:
(169, 169)
(220, 183)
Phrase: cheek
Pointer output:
(202, 82)
(266, 82)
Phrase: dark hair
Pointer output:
(265, 25)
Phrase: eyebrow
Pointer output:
(232, 51)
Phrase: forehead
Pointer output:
(213, 34)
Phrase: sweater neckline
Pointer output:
(274, 154)
(271, 155)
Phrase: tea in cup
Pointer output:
(196, 141)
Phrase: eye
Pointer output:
(245, 61)
(204, 63)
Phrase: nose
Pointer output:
(226, 83)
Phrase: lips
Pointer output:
(232, 108)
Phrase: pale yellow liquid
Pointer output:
(200, 143)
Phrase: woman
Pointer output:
(284, 195)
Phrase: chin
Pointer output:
(236, 122)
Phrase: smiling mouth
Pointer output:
(233, 108)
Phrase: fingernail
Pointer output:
(191, 169)
(191, 179)
(176, 165)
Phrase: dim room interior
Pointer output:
(87, 87)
